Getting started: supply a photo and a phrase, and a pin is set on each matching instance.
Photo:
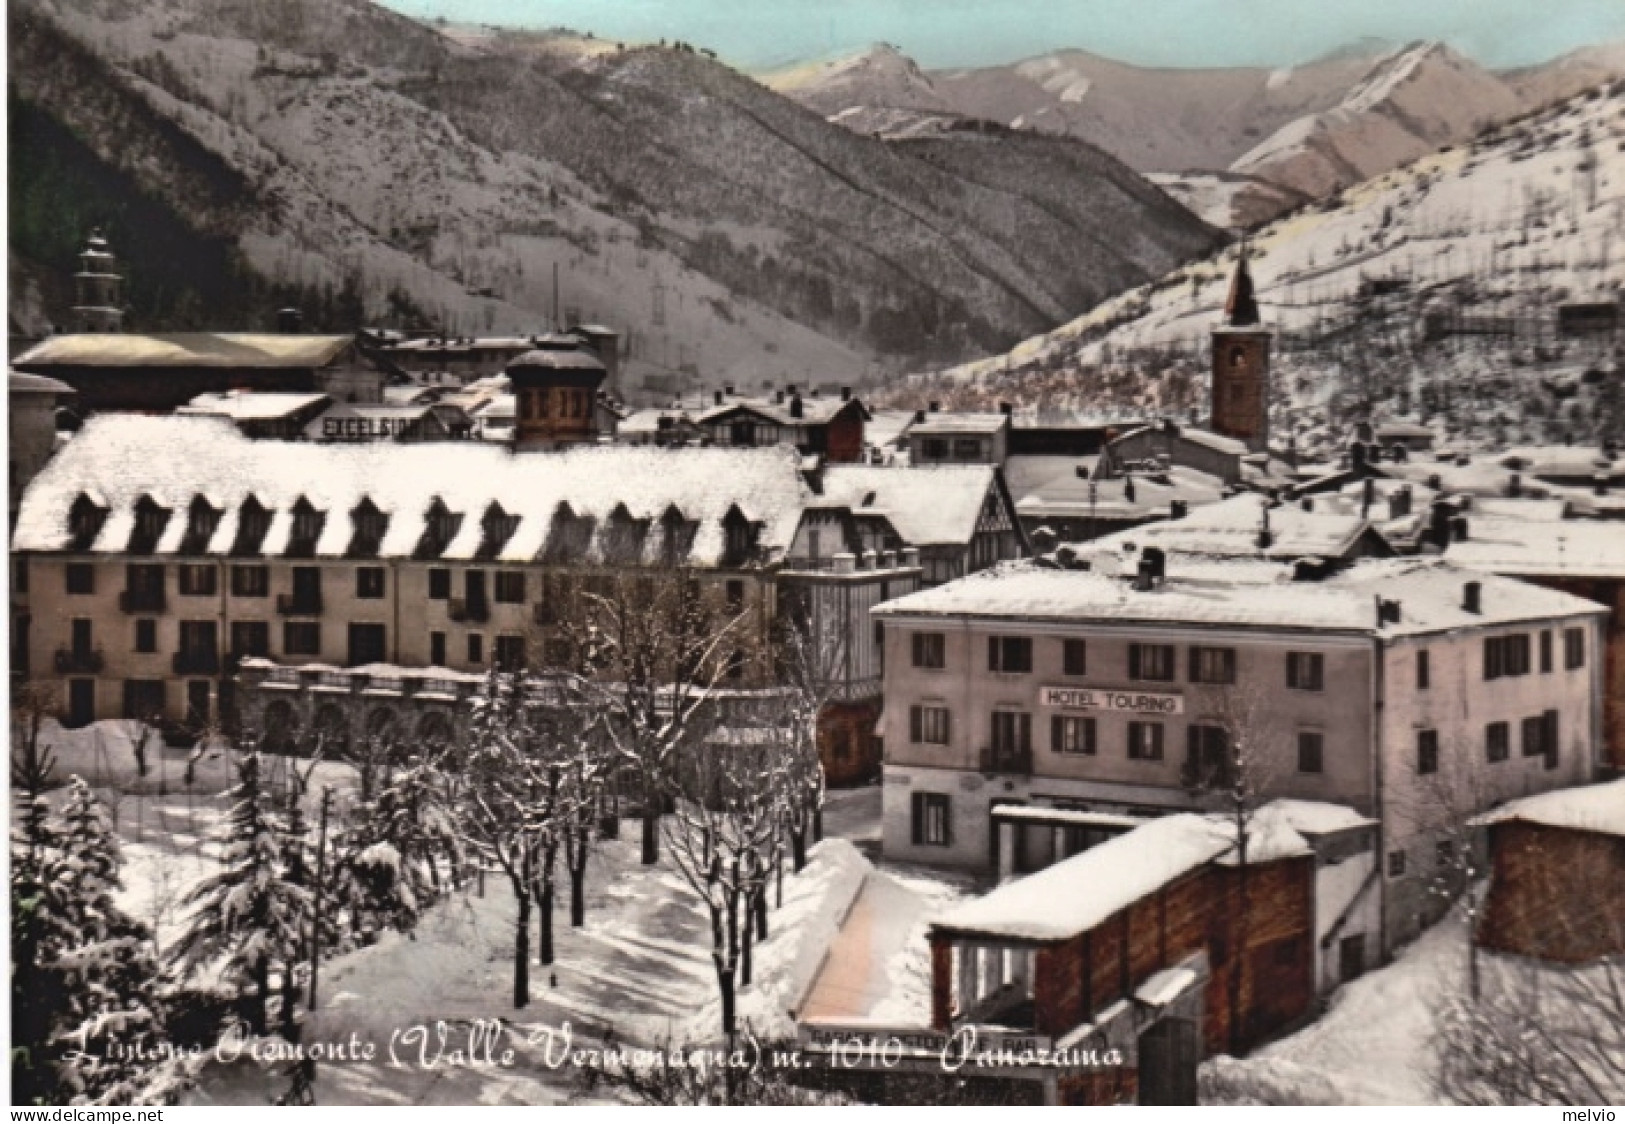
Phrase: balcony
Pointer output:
(468, 609)
(204, 661)
(1001, 760)
(70, 661)
(141, 601)
(299, 604)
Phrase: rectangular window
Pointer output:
(967, 449)
(930, 650)
(1424, 673)
(146, 635)
(510, 653)
(1010, 654)
(1427, 751)
(81, 577)
(143, 699)
(1497, 741)
(931, 824)
(369, 582)
(301, 638)
(439, 585)
(1207, 756)
(934, 449)
(198, 639)
(1311, 751)
(1306, 671)
(1396, 864)
(367, 644)
(1574, 648)
(928, 725)
(1074, 657)
(510, 587)
(1012, 735)
(1545, 650)
(1145, 741)
(81, 637)
(1072, 735)
(1213, 665)
(476, 648)
(437, 649)
(250, 581)
(195, 580)
(1151, 661)
(250, 638)
(1540, 737)
(1506, 655)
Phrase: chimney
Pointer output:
(789, 388)
(845, 563)
(1043, 540)
(778, 397)
(935, 406)
(1006, 408)
(909, 557)
(1435, 481)
(867, 560)
(1128, 489)
(919, 417)
(1470, 596)
(719, 398)
(289, 321)
(1368, 496)
(1307, 503)
(795, 406)
(1439, 531)
(1599, 484)
(1399, 503)
(1388, 612)
(1178, 509)
(728, 390)
(1357, 457)
(1266, 537)
(1515, 485)
(1458, 528)
(846, 394)
(1144, 582)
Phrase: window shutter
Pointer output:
(1133, 661)
(1055, 745)
(1193, 746)
(917, 818)
(1195, 665)
(1089, 735)
(947, 821)
(915, 720)
(993, 653)
(947, 727)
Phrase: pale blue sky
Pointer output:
(944, 33)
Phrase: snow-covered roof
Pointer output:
(814, 410)
(21, 382)
(1242, 594)
(1598, 807)
(250, 405)
(1570, 548)
(1230, 528)
(1315, 817)
(939, 423)
(185, 349)
(121, 458)
(1077, 894)
(1204, 437)
(1041, 813)
(1120, 497)
(934, 505)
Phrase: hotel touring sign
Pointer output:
(1109, 699)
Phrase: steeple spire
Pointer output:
(1241, 307)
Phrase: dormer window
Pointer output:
(369, 526)
(253, 523)
(307, 528)
(85, 519)
(150, 521)
(676, 536)
(201, 520)
(569, 535)
(739, 538)
(440, 526)
(623, 537)
(496, 528)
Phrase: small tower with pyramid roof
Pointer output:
(97, 288)
(1241, 365)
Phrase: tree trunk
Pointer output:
(651, 834)
(818, 824)
(798, 847)
(760, 908)
(746, 944)
(577, 862)
(521, 947)
(544, 901)
(725, 985)
(290, 995)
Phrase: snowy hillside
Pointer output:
(725, 228)
(1373, 294)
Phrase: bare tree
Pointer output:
(1234, 760)
(725, 825)
(652, 648)
(810, 670)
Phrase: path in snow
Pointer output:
(855, 976)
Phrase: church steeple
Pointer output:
(1241, 364)
(98, 289)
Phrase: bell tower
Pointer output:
(98, 290)
(1241, 366)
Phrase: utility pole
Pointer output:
(556, 324)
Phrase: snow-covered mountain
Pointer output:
(1239, 145)
(1431, 290)
(333, 147)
